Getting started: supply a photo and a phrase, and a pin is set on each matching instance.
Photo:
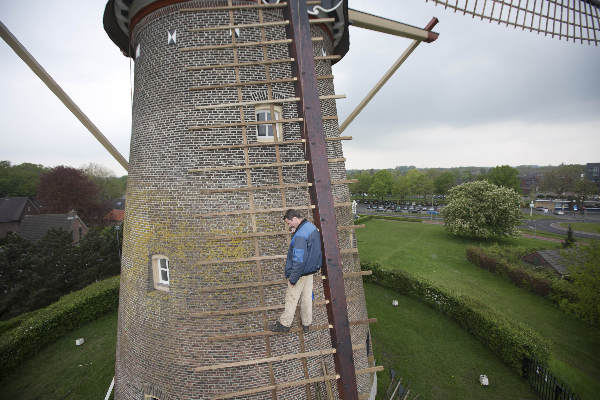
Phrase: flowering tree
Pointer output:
(482, 210)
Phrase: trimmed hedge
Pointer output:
(512, 342)
(365, 218)
(536, 282)
(46, 325)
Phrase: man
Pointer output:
(304, 258)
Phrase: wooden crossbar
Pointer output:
(330, 117)
(248, 123)
(240, 26)
(243, 44)
(323, 58)
(370, 370)
(250, 335)
(248, 103)
(248, 83)
(283, 357)
(239, 7)
(258, 102)
(242, 64)
(347, 181)
(259, 258)
(255, 144)
(270, 283)
(324, 77)
(333, 139)
(249, 166)
(249, 310)
(254, 188)
(271, 233)
(336, 160)
(279, 386)
(266, 210)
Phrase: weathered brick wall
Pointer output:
(170, 211)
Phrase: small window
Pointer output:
(268, 132)
(160, 269)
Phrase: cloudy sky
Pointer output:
(481, 95)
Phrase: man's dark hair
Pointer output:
(291, 213)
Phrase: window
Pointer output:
(268, 132)
(160, 270)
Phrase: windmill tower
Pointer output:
(234, 121)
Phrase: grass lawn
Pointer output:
(65, 371)
(434, 355)
(593, 227)
(427, 251)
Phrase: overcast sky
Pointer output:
(481, 95)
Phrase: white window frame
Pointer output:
(276, 130)
(157, 269)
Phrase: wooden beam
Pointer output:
(369, 21)
(238, 84)
(249, 166)
(240, 64)
(55, 88)
(248, 123)
(301, 50)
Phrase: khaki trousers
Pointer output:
(302, 291)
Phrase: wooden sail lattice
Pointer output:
(247, 124)
(572, 20)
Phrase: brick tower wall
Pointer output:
(172, 211)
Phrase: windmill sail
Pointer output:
(576, 20)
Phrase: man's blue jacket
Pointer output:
(304, 256)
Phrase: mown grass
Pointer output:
(592, 227)
(428, 251)
(65, 371)
(435, 357)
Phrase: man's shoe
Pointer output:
(306, 328)
(277, 327)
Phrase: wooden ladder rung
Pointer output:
(248, 123)
(259, 102)
(369, 370)
(279, 386)
(241, 26)
(242, 64)
(268, 233)
(255, 188)
(265, 210)
(249, 166)
(332, 139)
(259, 258)
(249, 310)
(243, 44)
(247, 83)
(250, 335)
(255, 144)
(336, 160)
(323, 58)
(283, 357)
(269, 283)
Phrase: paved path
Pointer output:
(552, 226)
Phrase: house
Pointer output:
(12, 211)
(35, 227)
(114, 217)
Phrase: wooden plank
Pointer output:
(240, 64)
(256, 188)
(369, 370)
(255, 144)
(248, 103)
(250, 335)
(265, 210)
(241, 44)
(283, 357)
(336, 160)
(324, 217)
(247, 83)
(250, 166)
(248, 310)
(259, 258)
(331, 139)
(248, 123)
(240, 26)
(279, 386)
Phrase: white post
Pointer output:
(110, 389)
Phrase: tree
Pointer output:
(64, 189)
(109, 185)
(562, 179)
(419, 182)
(382, 183)
(482, 210)
(443, 182)
(19, 180)
(505, 176)
(364, 183)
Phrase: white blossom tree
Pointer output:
(482, 210)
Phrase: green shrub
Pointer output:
(48, 324)
(362, 218)
(512, 342)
